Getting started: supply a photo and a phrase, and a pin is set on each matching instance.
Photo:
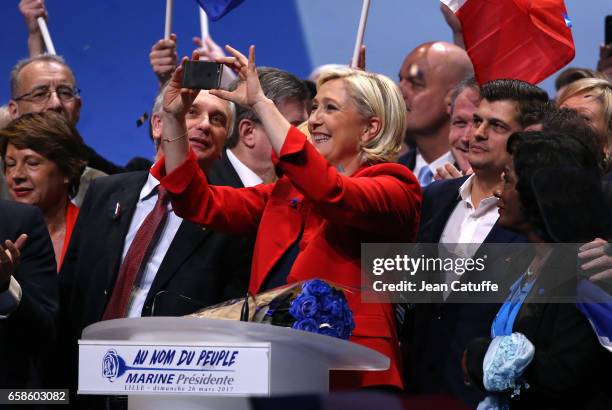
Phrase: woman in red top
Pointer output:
(42, 159)
(336, 191)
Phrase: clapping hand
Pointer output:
(596, 255)
(10, 253)
(447, 171)
(249, 92)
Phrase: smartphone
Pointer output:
(202, 75)
(608, 29)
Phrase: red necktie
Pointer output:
(140, 249)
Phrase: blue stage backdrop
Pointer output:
(107, 43)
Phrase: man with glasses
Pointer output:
(46, 83)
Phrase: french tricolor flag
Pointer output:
(521, 39)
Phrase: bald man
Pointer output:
(427, 78)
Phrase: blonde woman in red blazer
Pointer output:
(336, 190)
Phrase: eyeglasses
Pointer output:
(42, 95)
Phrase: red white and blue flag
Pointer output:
(215, 9)
(521, 39)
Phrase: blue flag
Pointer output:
(215, 9)
(596, 305)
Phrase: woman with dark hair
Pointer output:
(43, 159)
(543, 352)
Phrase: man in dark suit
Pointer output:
(188, 267)
(248, 156)
(464, 211)
(28, 296)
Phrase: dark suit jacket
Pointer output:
(223, 173)
(408, 159)
(29, 331)
(436, 334)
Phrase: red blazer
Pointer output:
(379, 203)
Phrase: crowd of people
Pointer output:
(270, 180)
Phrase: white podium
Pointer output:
(189, 363)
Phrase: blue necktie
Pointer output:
(425, 176)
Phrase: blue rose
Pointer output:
(316, 287)
(304, 306)
(308, 325)
(335, 307)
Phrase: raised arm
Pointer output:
(31, 10)
(176, 103)
(163, 58)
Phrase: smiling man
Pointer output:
(464, 102)
(181, 258)
(464, 211)
(209, 120)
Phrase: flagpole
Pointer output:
(168, 26)
(360, 31)
(203, 25)
(44, 30)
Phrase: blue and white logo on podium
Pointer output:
(110, 365)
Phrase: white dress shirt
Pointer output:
(146, 203)
(246, 175)
(469, 225)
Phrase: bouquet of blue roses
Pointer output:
(313, 305)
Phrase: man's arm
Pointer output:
(31, 10)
